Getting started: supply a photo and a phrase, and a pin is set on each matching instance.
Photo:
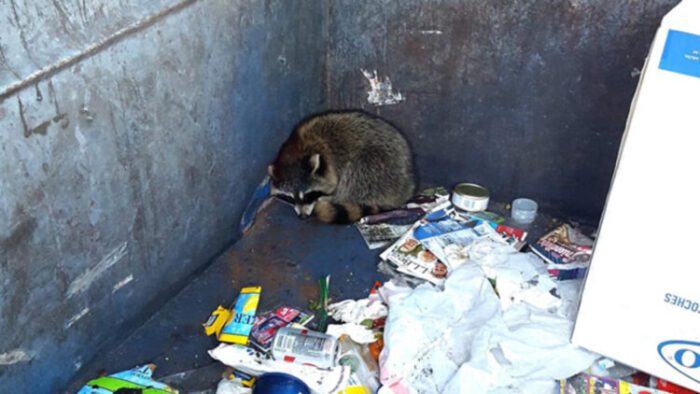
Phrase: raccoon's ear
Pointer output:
(316, 163)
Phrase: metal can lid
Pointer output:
(471, 190)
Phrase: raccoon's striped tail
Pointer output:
(342, 213)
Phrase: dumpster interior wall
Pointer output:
(127, 170)
(133, 132)
(528, 98)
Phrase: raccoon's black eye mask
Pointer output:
(286, 198)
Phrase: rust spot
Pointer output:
(36, 196)
(20, 233)
(42, 128)
(27, 132)
(63, 118)
(39, 96)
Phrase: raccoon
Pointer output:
(342, 165)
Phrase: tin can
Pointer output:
(305, 347)
(470, 197)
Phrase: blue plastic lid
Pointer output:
(279, 383)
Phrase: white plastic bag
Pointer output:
(465, 340)
(428, 331)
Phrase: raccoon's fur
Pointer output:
(341, 166)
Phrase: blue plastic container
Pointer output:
(279, 383)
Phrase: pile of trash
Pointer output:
(470, 308)
(341, 357)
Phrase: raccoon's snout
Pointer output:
(299, 209)
(304, 210)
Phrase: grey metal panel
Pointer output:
(126, 172)
(37, 33)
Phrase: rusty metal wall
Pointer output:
(528, 98)
(131, 135)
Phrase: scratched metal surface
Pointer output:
(36, 34)
(526, 97)
(126, 172)
(283, 254)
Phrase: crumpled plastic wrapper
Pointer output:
(226, 386)
(358, 333)
(356, 311)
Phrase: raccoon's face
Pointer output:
(301, 183)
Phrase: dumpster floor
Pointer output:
(284, 255)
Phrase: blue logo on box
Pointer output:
(681, 53)
(683, 356)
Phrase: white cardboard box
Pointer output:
(641, 300)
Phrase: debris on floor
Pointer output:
(382, 229)
(364, 370)
(566, 251)
(467, 309)
(269, 383)
(267, 324)
(234, 326)
(305, 347)
(584, 383)
(136, 379)
(464, 336)
(256, 364)
(357, 311)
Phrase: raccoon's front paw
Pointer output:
(325, 210)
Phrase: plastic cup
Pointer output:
(523, 210)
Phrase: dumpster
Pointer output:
(136, 133)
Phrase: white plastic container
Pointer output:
(523, 210)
